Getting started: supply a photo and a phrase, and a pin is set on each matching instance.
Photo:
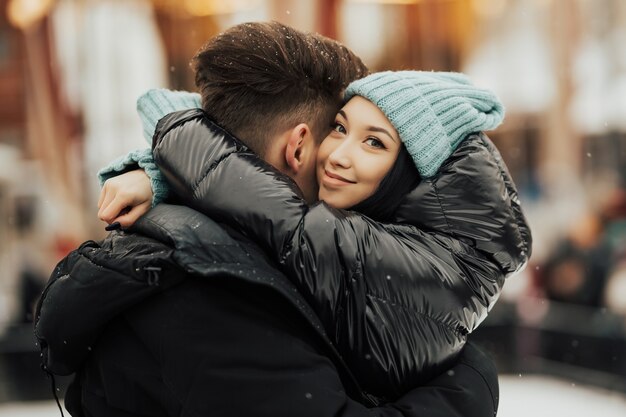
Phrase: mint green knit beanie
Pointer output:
(432, 111)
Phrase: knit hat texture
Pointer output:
(432, 111)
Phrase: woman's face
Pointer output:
(356, 155)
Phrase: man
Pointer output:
(183, 317)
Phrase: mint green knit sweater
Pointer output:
(151, 106)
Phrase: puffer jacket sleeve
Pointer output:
(92, 285)
(398, 301)
(473, 185)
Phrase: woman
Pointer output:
(398, 299)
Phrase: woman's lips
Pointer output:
(335, 179)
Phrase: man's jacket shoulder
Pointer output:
(100, 280)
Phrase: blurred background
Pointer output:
(71, 70)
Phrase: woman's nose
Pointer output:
(340, 157)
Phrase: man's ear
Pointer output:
(298, 149)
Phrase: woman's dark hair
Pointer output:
(398, 182)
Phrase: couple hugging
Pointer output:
(330, 239)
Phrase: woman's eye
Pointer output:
(338, 127)
(375, 143)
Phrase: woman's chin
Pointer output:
(333, 201)
(328, 198)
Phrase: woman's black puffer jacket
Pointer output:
(398, 300)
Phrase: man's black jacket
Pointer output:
(181, 319)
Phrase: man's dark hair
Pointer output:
(259, 79)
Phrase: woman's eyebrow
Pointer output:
(371, 128)
(381, 130)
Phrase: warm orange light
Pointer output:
(24, 13)
(489, 8)
(399, 2)
(213, 7)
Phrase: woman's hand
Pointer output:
(125, 198)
